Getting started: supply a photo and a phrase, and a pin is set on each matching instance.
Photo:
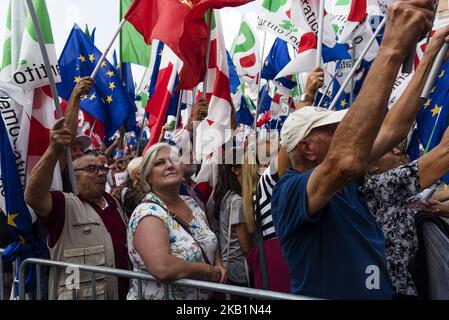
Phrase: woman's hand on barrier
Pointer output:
(224, 274)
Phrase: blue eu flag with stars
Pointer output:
(108, 100)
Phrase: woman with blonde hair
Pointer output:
(168, 234)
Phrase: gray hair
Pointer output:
(148, 162)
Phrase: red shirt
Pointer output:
(110, 216)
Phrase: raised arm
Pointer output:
(350, 149)
(37, 191)
(401, 117)
(434, 164)
(73, 106)
(151, 241)
(315, 80)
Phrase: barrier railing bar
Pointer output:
(240, 291)
(139, 290)
(38, 283)
(115, 288)
(1, 275)
(94, 286)
(55, 282)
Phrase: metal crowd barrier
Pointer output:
(196, 284)
(2, 275)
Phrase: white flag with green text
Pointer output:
(22, 62)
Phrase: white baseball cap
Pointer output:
(299, 124)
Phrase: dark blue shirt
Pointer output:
(338, 253)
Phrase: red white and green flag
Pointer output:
(22, 61)
(245, 53)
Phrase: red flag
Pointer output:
(180, 24)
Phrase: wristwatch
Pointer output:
(305, 98)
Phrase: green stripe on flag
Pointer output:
(133, 48)
(44, 21)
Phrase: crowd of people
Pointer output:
(324, 212)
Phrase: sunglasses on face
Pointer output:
(92, 168)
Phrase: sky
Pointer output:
(104, 15)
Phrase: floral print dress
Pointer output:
(182, 245)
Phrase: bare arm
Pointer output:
(441, 195)
(152, 243)
(350, 149)
(401, 117)
(37, 191)
(315, 80)
(73, 106)
(434, 164)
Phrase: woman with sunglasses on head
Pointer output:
(168, 234)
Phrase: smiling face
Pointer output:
(166, 171)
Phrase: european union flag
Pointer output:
(277, 59)
(264, 99)
(18, 217)
(433, 117)
(233, 76)
(108, 100)
(243, 114)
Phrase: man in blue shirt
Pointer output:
(332, 244)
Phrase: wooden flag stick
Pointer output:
(54, 91)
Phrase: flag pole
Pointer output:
(438, 62)
(260, 80)
(209, 22)
(92, 129)
(351, 93)
(54, 91)
(320, 34)
(178, 110)
(357, 64)
(103, 56)
(327, 90)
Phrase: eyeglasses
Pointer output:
(92, 168)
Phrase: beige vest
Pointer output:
(84, 240)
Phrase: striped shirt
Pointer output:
(263, 196)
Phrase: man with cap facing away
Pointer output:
(332, 244)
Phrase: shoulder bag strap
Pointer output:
(185, 226)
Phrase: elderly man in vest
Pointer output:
(87, 228)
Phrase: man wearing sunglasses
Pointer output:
(87, 228)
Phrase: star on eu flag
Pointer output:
(82, 58)
(435, 110)
(110, 73)
(343, 103)
(441, 75)
(109, 99)
(427, 103)
(92, 97)
(433, 89)
(103, 64)
(11, 218)
(111, 85)
(77, 79)
(91, 58)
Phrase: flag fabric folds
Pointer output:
(133, 48)
(22, 62)
(108, 100)
(277, 59)
(181, 26)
